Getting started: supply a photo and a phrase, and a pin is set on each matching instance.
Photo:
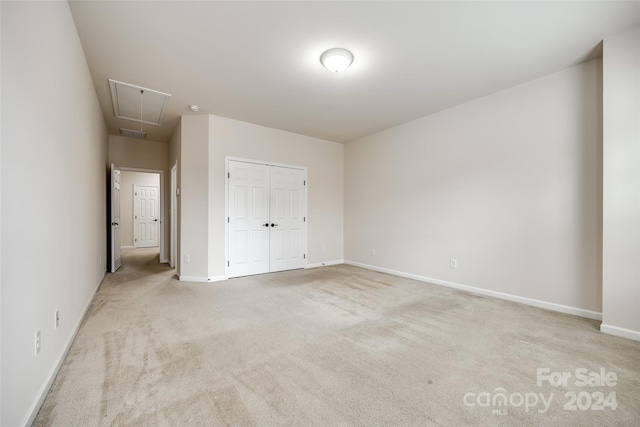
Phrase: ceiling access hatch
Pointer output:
(138, 103)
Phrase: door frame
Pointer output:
(173, 215)
(163, 255)
(227, 159)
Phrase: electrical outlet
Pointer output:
(37, 341)
(57, 320)
(453, 263)
(187, 259)
(373, 251)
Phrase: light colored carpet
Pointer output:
(329, 346)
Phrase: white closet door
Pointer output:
(288, 205)
(248, 219)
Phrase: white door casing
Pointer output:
(146, 214)
(115, 218)
(266, 218)
(173, 253)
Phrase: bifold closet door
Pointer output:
(267, 207)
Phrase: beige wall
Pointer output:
(621, 228)
(129, 179)
(202, 188)
(54, 175)
(509, 185)
(324, 161)
(143, 154)
(194, 207)
(175, 147)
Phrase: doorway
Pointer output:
(138, 209)
(266, 223)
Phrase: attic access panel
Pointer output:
(127, 101)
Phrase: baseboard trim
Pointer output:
(127, 247)
(495, 294)
(46, 386)
(201, 279)
(620, 332)
(324, 264)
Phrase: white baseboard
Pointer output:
(46, 386)
(127, 247)
(620, 332)
(480, 291)
(324, 264)
(201, 279)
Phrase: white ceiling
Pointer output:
(259, 61)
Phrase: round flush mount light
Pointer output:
(193, 107)
(336, 59)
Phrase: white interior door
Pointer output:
(248, 219)
(115, 218)
(146, 214)
(266, 223)
(288, 205)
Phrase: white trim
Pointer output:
(263, 162)
(201, 279)
(164, 260)
(127, 247)
(173, 215)
(193, 279)
(480, 291)
(620, 332)
(324, 264)
(46, 386)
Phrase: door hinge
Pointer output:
(228, 174)
(304, 256)
(304, 182)
(228, 264)
(135, 240)
(304, 219)
(228, 220)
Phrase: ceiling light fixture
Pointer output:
(336, 59)
(193, 107)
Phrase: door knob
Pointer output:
(155, 220)
(265, 225)
(274, 225)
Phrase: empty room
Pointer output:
(319, 213)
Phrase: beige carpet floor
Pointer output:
(332, 346)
